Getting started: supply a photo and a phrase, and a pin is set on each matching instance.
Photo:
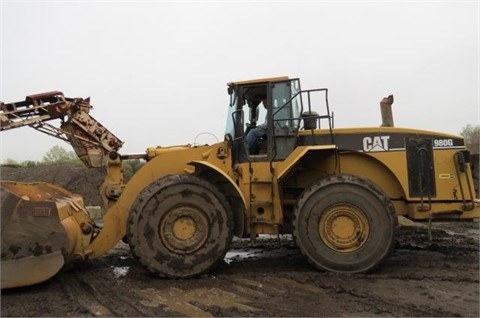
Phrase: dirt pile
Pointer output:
(74, 177)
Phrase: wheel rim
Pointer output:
(343, 228)
(184, 229)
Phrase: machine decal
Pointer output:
(41, 212)
(376, 143)
(446, 176)
(446, 143)
(391, 141)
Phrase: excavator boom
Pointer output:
(91, 141)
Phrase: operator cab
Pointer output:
(284, 115)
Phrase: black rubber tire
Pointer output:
(344, 223)
(180, 226)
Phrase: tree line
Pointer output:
(58, 154)
(472, 138)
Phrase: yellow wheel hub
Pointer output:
(184, 229)
(343, 228)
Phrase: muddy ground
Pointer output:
(436, 278)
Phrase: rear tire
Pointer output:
(180, 226)
(344, 224)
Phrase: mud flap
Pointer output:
(34, 243)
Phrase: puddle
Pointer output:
(241, 254)
(120, 271)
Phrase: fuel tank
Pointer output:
(43, 227)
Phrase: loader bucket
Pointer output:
(37, 236)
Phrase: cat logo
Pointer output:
(376, 143)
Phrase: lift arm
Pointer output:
(91, 141)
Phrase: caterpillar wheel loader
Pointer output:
(338, 191)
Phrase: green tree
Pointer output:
(29, 163)
(472, 138)
(58, 154)
(11, 162)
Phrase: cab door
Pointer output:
(286, 107)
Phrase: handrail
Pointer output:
(308, 92)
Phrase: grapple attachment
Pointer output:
(43, 227)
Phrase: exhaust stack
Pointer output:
(386, 111)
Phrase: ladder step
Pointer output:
(260, 203)
(260, 221)
(261, 181)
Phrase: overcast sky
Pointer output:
(156, 71)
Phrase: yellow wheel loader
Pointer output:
(338, 191)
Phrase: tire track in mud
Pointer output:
(326, 296)
(378, 305)
(269, 294)
(98, 296)
(232, 296)
(415, 283)
(100, 287)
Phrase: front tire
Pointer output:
(344, 224)
(180, 226)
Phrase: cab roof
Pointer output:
(260, 80)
